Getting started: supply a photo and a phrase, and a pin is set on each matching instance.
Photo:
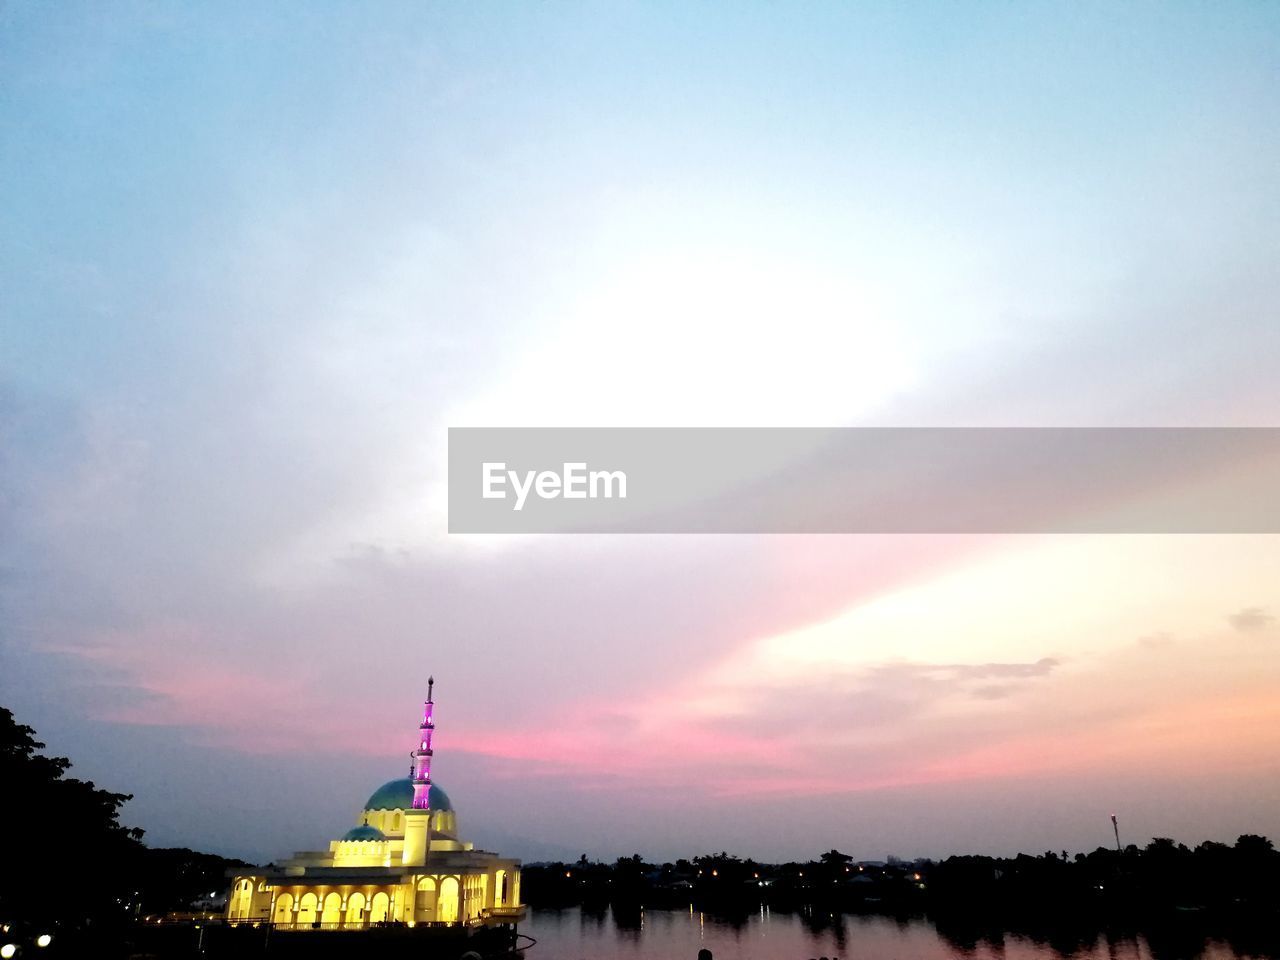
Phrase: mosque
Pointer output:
(402, 863)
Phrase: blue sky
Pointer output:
(255, 260)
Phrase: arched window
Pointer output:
(355, 910)
(307, 910)
(424, 907)
(447, 901)
(332, 914)
(241, 903)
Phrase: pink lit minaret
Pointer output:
(417, 819)
(422, 756)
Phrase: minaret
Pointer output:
(417, 820)
(422, 756)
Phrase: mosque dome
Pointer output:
(364, 832)
(398, 795)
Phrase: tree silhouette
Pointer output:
(1250, 844)
(62, 827)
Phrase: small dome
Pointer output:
(364, 832)
(398, 795)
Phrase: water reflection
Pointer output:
(636, 933)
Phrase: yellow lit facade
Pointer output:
(400, 864)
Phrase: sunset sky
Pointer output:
(256, 259)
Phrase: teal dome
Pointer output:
(364, 832)
(398, 795)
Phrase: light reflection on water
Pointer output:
(660, 934)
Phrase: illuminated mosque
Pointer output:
(402, 863)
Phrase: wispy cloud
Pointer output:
(1251, 620)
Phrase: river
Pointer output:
(576, 933)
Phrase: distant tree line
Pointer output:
(720, 878)
(1161, 875)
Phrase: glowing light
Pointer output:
(8, 950)
(43, 940)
